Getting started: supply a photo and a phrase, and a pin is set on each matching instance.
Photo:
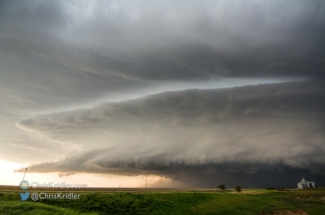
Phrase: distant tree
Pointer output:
(270, 188)
(222, 186)
(238, 189)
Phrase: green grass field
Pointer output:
(170, 202)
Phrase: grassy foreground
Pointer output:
(182, 202)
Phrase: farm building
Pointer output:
(303, 184)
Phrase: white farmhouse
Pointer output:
(306, 184)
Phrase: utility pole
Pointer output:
(24, 174)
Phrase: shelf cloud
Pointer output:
(244, 130)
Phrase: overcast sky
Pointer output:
(197, 92)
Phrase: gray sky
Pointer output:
(69, 68)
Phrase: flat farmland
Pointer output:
(164, 201)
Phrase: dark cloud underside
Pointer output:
(165, 40)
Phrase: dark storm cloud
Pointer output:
(172, 40)
(265, 129)
(59, 55)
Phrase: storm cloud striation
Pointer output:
(247, 130)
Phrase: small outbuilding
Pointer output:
(303, 184)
